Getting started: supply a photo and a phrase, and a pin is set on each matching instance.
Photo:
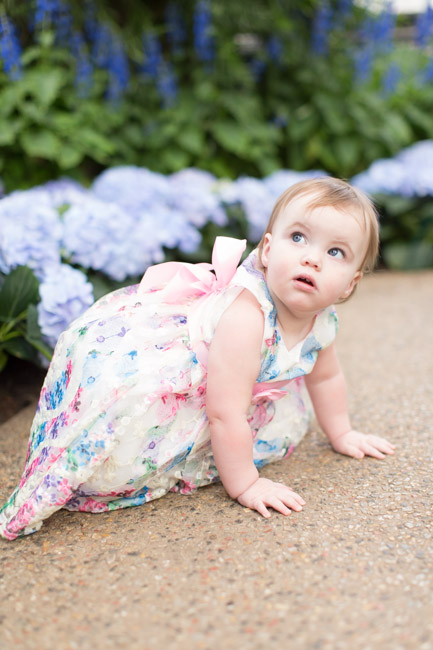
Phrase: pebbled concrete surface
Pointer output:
(352, 571)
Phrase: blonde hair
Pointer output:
(338, 194)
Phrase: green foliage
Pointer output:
(20, 335)
(406, 231)
(301, 111)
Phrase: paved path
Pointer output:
(353, 571)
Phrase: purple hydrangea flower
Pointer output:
(30, 232)
(65, 294)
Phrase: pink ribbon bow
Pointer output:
(270, 390)
(180, 280)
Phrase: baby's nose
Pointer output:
(313, 261)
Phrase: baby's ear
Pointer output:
(356, 278)
(265, 249)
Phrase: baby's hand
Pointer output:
(265, 492)
(356, 444)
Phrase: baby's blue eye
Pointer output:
(298, 237)
(336, 252)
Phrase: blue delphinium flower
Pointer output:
(152, 55)
(83, 67)
(91, 25)
(176, 32)
(10, 49)
(194, 195)
(30, 232)
(344, 8)
(257, 67)
(45, 12)
(391, 78)
(65, 294)
(204, 44)
(424, 27)
(322, 26)
(63, 24)
(363, 62)
(275, 49)
(118, 68)
(101, 46)
(383, 31)
(166, 83)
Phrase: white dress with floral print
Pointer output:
(121, 417)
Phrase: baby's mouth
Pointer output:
(305, 280)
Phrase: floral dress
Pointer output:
(121, 418)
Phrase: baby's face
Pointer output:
(313, 256)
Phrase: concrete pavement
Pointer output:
(353, 571)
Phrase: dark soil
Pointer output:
(20, 384)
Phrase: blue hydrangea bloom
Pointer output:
(30, 232)
(193, 193)
(101, 236)
(279, 181)
(65, 294)
(409, 174)
(255, 199)
(134, 188)
(64, 191)
(151, 199)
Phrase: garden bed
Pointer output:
(20, 386)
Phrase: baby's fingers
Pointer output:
(377, 447)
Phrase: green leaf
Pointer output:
(347, 150)
(21, 349)
(231, 137)
(413, 255)
(191, 139)
(96, 143)
(44, 84)
(69, 157)
(9, 129)
(20, 289)
(34, 334)
(41, 143)
(10, 97)
(3, 359)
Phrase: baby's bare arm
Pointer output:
(233, 366)
(327, 388)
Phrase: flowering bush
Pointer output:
(403, 189)
(207, 84)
